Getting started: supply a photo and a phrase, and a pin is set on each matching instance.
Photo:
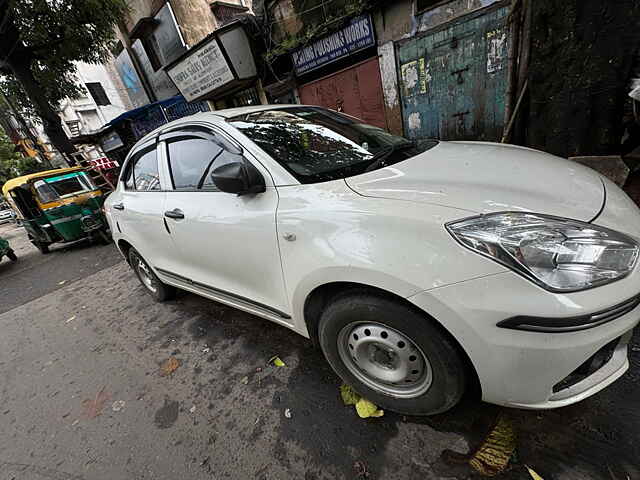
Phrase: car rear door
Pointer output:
(138, 210)
(226, 243)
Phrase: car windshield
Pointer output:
(317, 145)
(51, 189)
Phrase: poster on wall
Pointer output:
(131, 80)
(356, 36)
(203, 71)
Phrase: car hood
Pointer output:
(484, 177)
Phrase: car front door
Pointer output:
(227, 243)
(138, 209)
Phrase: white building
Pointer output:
(104, 98)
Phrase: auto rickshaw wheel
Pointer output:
(43, 247)
(12, 256)
(104, 237)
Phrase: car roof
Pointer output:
(217, 116)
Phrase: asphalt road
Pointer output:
(83, 395)
(35, 274)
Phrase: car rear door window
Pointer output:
(191, 159)
(144, 176)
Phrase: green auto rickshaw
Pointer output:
(6, 250)
(58, 206)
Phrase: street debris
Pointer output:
(533, 474)
(117, 405)
(206, 350)
(349, 396)
(364, 407)
(192, 409)
(169, 366)
(93, 406)
(62, 282)
(361, 469)
(245, 380)
(70, 319)
(492, 457)
(367, 409)
(287, 413)
(277, 361)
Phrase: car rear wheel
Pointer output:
(12, 256)
(149, 280)
(392, 355)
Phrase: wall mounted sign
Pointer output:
(201, 72)
(356, 36)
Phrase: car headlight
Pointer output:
(558, 254)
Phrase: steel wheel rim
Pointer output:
(145, 276)
(384, 359)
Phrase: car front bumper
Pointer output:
(521, 368)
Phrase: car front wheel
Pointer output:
(149, 280)
(391, 354)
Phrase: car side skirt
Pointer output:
(225, 297)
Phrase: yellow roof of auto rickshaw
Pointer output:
(19, 181)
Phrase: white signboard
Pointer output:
(201, 72)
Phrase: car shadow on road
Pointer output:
(588, 440)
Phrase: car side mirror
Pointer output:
(238, 177)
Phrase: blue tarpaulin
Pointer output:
(141, 111)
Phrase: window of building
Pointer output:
(422, 5)
(97, 92)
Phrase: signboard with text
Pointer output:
(202, 72)
(356, 36)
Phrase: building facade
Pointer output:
(156, 33)
(103, 98)
(422, 68)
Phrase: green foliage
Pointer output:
(13, 164)
(56, 33)
(317, 22)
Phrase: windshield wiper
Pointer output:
(378, 159)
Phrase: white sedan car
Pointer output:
(421, 270)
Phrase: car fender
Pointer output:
(328, 233)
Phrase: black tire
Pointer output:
(43, 247)
(158, 290)
(12, 256)
(104, 237)
(448, 375)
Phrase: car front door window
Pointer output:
(192, 159)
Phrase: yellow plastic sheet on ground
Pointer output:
(364, 407)
(494, 453)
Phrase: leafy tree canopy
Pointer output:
(13, 164)
(39, 42)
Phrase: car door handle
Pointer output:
(118, 206)
(175, 213)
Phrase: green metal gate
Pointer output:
(453, 79)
